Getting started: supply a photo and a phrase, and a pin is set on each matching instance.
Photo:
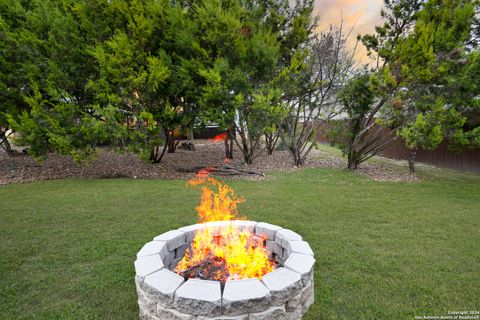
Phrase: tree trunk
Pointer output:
(296, 155)
(298, 161)
(172, 146)
(268, 142)
(245, 148)
(4, 143)
(190, 133)
(352, 160)
(229, 148)
(247, 157)
(155, 155)
(352, 165)
(411, 161)
(271, 141)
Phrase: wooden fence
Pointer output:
(440, 157)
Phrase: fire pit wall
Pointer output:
(284, 294)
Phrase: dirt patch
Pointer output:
(108, 164)
(383, 172)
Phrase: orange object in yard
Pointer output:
(225, 254)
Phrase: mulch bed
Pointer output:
(23, 168)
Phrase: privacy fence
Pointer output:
(441, 156)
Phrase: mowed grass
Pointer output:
(383, 250)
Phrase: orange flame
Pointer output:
(222, 251)
(219, 137)
(215, 206)
(203, 173)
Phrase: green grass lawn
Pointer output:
(383, 250)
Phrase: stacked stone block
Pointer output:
(284, 294)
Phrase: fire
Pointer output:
(219, 137)
(227, 252)
(203, 173)
(215, 206)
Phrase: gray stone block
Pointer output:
(146, 302)
(278, 259)
(301, 263)
(216, 227)
(190, 231)
(273, 313)
(278, 249)
(283, 284)
(145, 315)
(174, 263)
(298, 301)
(224, 317)
(270, 245)
(172, 314)
(257, 241)
(295, 314)
(267, 229)
(244, 296)
(168, 259)
(199, 297)
(147, 265)
(153, 247)
(284, 235)
(180, 251)
(245, 225)
(162, 285)
(173, 238)
(308, 303)
(299, 247)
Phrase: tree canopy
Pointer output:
(425, 79)
(136, 74)
(131, 73)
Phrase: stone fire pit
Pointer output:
(285, 293)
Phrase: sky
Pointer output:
(363, 15)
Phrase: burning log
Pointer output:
(228, 252)
(211, 268)
(214, 267)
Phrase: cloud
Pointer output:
(362, 16)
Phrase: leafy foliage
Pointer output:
(46, 70)
(136, 74)
(434, 63)
(312, 89)
(242, 88)
(423, 81)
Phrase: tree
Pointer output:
(12, 24)
(422, 66)
(47, 71)
(242, 88)
(324, 70)
(361, 135)
(137, 78)
(442, 77)
(102, 76)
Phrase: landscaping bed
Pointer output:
(108, 164)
